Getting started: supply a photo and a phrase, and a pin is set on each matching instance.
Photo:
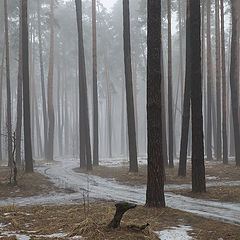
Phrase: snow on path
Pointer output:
(95, 187)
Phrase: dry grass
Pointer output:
(219, 193)
(123, 176)
(31, 184)
(91, 221)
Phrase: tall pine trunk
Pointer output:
(170, 111)
(224, 94)
(155, 180)
(234, 80)
(9, 115)
(198, 168)
(95, 89)
(26, 98)
(50, 144)
(129, 89)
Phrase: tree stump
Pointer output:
(121, 208)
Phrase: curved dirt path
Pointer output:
(94, 187)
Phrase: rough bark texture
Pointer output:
(198, 168)
(26, 99)
(9, 115)
(50, 144)
(129, 89)
(95, 89)
(224, 92)
(209, 84)
(121, 208)
(85, 145)
(234, 81)
(218, 81)
(170, 111)
(155, 180)
(186, 102)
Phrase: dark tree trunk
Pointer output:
(26, 99)
(19, 95)
(170, 114)
(44, 108)
(85, 145)
(129, 89)
(234, 80)
(224, 97)
(9, 115)
(50, 144)
(155, 180)
(198, 168)
(218, 82)
(209, 84)
(95, 89)
(186, 102)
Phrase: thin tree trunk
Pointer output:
(129, 89)
(198, 168)
(224, 97)
(19, 95)
(209, 84)
(186, 103)
(170, 115)
(26, 101)
(44, 105)
(9, 115)
(95, 89)
(218, 81)
(233, 81)
(50, 144)
(83, 113)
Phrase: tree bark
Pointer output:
(129, 89)
(224, 97)
(9, 115)
(50, 144)
(234, 79)
(170, 112)
(186, 102)
(198, 168)
(95, 89)
(155, 180)
(85, 145)
(26, 98)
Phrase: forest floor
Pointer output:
(90, 222)
(28, 184)
(216, 172)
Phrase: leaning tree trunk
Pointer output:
(170, 112)
(19, 95)
(129, 89)
(83, 113)
(233, 81)
(198, 168)
(155, 180)
(50, 144)
(44, 106)
(224, 104)
(26, 99)
(186, 103)
(9, 116)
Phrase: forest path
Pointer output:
(93, 187)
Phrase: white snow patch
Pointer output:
(54, 235)
(211, 177)
(175, 233)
